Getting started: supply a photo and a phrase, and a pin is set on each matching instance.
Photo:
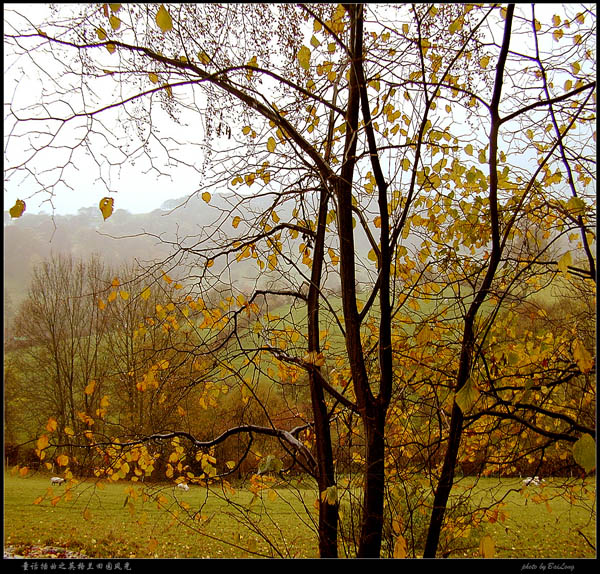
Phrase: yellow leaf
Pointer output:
(115, 7)
(252, 62)
(314, 358)
(425, 335)
(17, 209)
(168, 90)
(153, 77)
(51, 425)
(333, 256)
(115, 282)
(69, 431)
(89, 389)
(111, 48)
(469, 149)
(112, 296)
(467, 396)
(272, 261)
(101, 33)
(564, 262)
(487, 548)
(115, 23)
(124, 295)
(23, 471)
(304, 57)
(101, 304)
(62, 460)
(42, 442)
(163, 19)
(206, 196)
(584, 452)
(271, 144)
(330, 495)
(106, 207)
(484, 61)
(146, 293)
(87, 514)
(584, 360)
(167, 278)
(236, 221)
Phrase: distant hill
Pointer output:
(121, 239)
(124, 237)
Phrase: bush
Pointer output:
(407, 512)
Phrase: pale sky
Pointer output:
(136, 192)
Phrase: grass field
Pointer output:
(113, 528)
(101, 523)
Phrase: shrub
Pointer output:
(407, 512)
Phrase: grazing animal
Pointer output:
(57, 480)
(183, 486)
(535, 480)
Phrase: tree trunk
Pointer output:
(466, 357)
(445, 483)
(328, 513)
(372, 409)
(372, 520)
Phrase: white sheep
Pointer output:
(183, 486)
(57, 480)
(535, 480)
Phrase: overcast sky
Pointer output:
(137, 192)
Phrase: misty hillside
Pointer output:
(122, 238)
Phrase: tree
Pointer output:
(61, 328)
(402, 129)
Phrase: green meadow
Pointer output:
(109, 523)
